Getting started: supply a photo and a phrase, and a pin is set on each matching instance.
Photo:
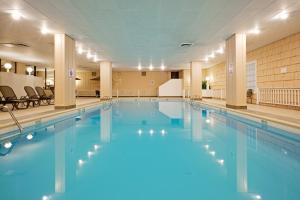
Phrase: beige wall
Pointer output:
(128, 83)
(217, 73)
(272, 60)
(86, 83)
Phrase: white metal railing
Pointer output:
(279, 96)
(218, 93)
(207, 93)
(214, 93)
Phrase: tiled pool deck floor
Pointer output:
(288, 115)
(285, 116)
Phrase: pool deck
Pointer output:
(286, 117)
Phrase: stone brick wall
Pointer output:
(278, 65)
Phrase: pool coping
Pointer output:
(277, 123)
(45, 117)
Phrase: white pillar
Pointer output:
(64, 64)
(196, 81)
(105, 79)
(236, 71)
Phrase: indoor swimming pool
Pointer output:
(146, 150)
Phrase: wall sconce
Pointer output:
(29, 70)
(7, 66)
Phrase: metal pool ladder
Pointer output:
(14, 118)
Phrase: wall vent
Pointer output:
(11, 44)
(186, 44)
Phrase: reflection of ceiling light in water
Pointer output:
(29, 136)
(80, 162)
(89, 153)
(163, 132)
(221, 162)
(207, 121)
(213, 153)
(140, 132)
(45, 197)
(7, 145)
(96, 147)
(257, 197)
(151, 131)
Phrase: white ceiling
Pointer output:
(148, 31)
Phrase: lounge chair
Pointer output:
(33, 95)
(45, 94)
(11, 98)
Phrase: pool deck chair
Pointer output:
(33, 96)
(11, 98)
(49, 97)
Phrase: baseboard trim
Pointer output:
(65, 107)
(235, 107)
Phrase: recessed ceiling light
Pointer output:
(16, 15)
(283, 15)
(151, 67)
(255, 31)
(220, 50)
(206, 59)
(96, 58)
(89, 55)
(80, 50)
(44, 30)
(162, 67)
(139, 67)
(212, 55)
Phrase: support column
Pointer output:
(196, 81)
(236, 71)
(64, 65)
(105, 80)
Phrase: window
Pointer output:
(174, 75)
(251, 75)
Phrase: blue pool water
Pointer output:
(151, 150)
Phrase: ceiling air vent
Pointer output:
(186, 44)
(11, 44)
